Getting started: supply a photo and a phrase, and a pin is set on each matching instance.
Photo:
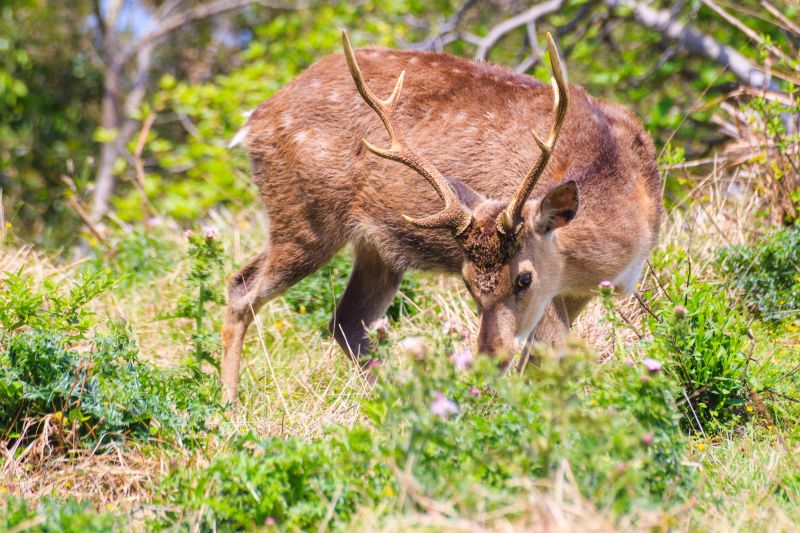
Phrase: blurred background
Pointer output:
(117, 113)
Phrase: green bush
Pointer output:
(464, 436)
(54, 516)
(767, 274)
(703, 338)
(93, 389)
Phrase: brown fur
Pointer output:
(473, 121)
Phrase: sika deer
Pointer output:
(529, 255)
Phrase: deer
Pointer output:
(473, 182)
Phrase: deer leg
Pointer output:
(373, 283)
(265, 277)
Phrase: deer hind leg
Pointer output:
(372, 286)
(265, 277)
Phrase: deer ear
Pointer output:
(558, 207)
(468, 196)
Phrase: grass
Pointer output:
(591, 440)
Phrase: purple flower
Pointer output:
(381, 328)
(648, 439)
(462, 360)
(629, 362)
(652, 365)
(606, 288)
(188, 233)
(443, 406)
(475, 391)
(211, 233)
(680, 311)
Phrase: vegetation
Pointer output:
(675, 409)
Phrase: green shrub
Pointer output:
(94, 389)
(56, 516)
(767, 274)
(135, 257)
(464, 437)
(703, 338)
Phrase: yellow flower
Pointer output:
(107, 271)
(279, 324)
(700, 446)
(68, 484)
(9, 225)
(302, 309)
(3, 490)
(749, 409)
(110, 507)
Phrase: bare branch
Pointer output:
(174, 22)
(447, 32)
(485, 44)
(698, 43)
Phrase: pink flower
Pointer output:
(443, 406)
(450, 325)
(652, 365)
(648, 439)
(269, 521)
(188, 233)
(680, 311)
(415, 347)
(629, 362)
(381, 328)
(475, 391)
(462, 360)
(210, 233)
(606, 288)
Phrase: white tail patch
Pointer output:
(240, 135)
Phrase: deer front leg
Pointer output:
(372, 286)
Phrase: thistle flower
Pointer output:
(443, 406)
(462, 360)
(680, 311)
(188, 233)
(415, 347)
(606, 288)
(211, 233)
(652, 365)
(475, 391)
(381, 328)
(648, 439)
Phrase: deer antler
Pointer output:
(454, 215)
(511, 216)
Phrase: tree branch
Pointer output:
(698, 43)
(174, 22)
(485, 44)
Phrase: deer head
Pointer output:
(512, 265)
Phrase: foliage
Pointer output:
(705, 341)
(202, 282)
(53, 516)
(48, 372)
(767, 275)
(616, 427)
(134, 257)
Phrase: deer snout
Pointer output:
(496, 335)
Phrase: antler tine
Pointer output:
(453, 216)
(512, 215)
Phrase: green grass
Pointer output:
(114, 387)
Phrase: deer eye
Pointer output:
(523, 281)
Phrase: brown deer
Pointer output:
(530, 256)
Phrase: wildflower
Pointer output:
(3, 490)
(700, 446)
(302, 309)
(680, 311)
(652, 365)
(68, 484)
(620, 468)
(381, 328)
(9, 225)
(443, 406)
(269, 521)
(415, 347)
(106, 271)
(648, 439)
(606, 288)
(749, 408)
(279, 324)
(188, 233)
(475, 391)
(211, 233)
(450, 325)
(462, 360)
(109, 506)
(372, 363)
(629, 362)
